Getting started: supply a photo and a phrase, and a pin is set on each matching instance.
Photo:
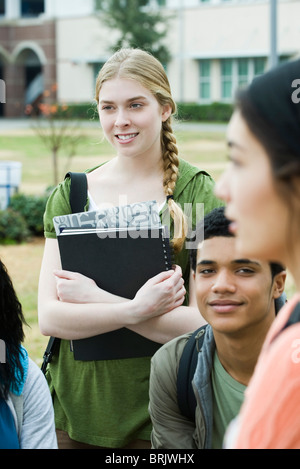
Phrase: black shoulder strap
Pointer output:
(78, 191)
(78, 199)
(294, 317)
(187, 366)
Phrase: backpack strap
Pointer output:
(78, 199)
(78, 191)
(186, 370)
(294, 317)
(280, 302)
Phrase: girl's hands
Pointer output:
(73, 287)
(159, 295)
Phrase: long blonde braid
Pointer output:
(171, 163)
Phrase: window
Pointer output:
(2, 7)
(96, 68)
(226, 78)
(243, 78)
(259, 66)
(32, 7)
(205, 79)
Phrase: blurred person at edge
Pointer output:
(261, 188)
(104, 403)
(26, 411)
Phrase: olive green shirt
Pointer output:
(105, 403)
(228, 396)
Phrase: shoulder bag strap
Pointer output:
(78, 200)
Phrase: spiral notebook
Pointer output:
(120, 260)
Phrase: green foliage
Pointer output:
(193, 112)
(31, 208)
(13, 227)
(85, 111)
(138, 26)
(215, 112)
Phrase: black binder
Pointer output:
(120, 261)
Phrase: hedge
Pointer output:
(215, 112)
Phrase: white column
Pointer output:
(51, 8)
(12, 9)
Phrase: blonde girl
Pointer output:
(104, 403)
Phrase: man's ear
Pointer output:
(279, 284)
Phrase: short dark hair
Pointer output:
(213, 224)
(216, 224)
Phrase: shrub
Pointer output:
(85, 111)
(31, 208)
(215, 112)
(13, 227)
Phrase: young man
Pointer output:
(237, 299)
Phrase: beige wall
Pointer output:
(211, 31)
(80, 42)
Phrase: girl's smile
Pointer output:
(126, 138)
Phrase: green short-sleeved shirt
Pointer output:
(105, 403)
(228, 396)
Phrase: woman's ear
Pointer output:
(166, 112)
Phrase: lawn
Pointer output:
(204, 149)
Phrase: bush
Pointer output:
(215, 112)
(13, 227)
(85, 111)
(32, 209)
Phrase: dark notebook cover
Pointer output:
(120, 262)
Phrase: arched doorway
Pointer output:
(33, 78)
(3, 63)
(2, 100)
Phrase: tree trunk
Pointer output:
(55, 166)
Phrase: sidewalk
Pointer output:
(25, 123)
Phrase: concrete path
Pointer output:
(25, 123)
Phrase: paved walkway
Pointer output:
(24, 123)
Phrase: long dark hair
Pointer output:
(11, 333)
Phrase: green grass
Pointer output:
(204, 149)
(36, 158)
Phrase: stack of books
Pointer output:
(120, 248)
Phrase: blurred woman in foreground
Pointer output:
(261, 188)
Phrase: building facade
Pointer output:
(215, 45)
